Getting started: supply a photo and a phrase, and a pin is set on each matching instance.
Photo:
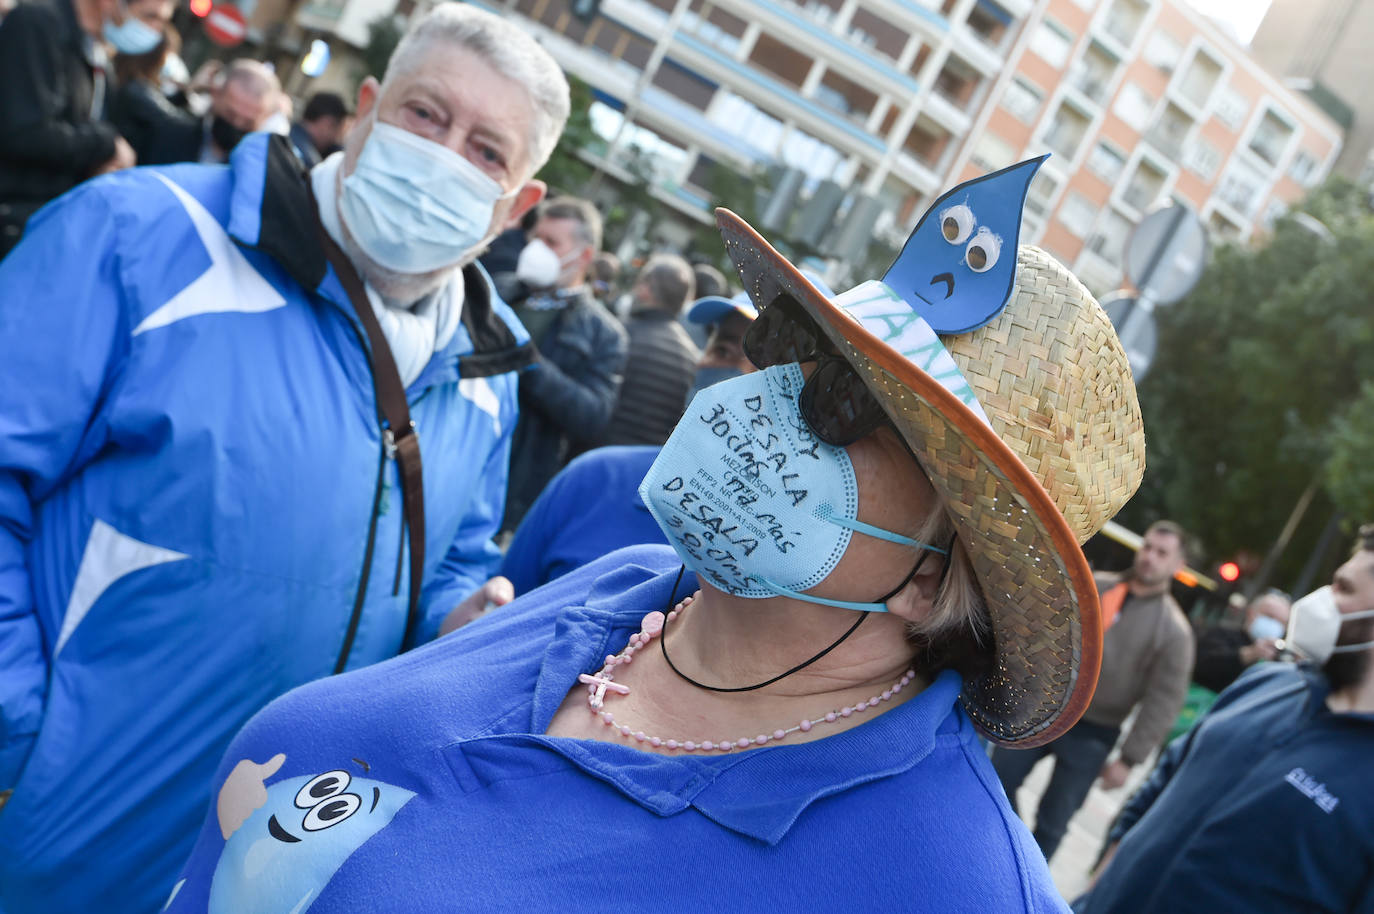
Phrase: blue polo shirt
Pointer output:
(590, 509)
(425, 783)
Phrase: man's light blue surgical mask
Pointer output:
(1266, 628)
(751, 500)
(415, 206)
(133, 36)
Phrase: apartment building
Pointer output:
(1143, 102)
(860, 112)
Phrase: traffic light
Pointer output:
(1229, 572)
(201, 8)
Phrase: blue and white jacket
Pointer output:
(196, 511)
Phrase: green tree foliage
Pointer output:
(383, 34)
(565, 172)
(1253, 391)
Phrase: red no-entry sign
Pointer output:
(225, 25)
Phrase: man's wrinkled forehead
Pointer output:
(457, 79)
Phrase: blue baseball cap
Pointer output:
(713, 308)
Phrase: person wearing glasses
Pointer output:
(874, 559)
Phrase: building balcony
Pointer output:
(1167, 141)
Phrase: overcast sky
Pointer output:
(1242, 15)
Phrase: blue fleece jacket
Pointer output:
(1264, 805)
(197, 512)
(427, 784)
(590, 509)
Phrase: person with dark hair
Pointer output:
(320, 130)
(604, 275)
(138, 108)
(1265, 804)
(1147, 656)
(567, 396)
(53, 134)
(663, 358)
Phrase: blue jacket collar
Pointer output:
(759, 793)
(271, 210)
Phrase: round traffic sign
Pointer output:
(225, 25)
(1167, 253)
(1135, 327)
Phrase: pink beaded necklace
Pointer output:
(651, 627)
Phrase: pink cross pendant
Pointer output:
(603, 682)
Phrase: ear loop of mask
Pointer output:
(864, 609)
(1352, 648)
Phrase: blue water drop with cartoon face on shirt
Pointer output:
(958, 267)
(284, 854)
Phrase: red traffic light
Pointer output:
(1229, 572)
(201, 8)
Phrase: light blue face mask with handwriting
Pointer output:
(750, 499)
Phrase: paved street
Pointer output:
(1087, 829)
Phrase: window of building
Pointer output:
(1041, 191)
(687, 85)
(1133, 106)
(1123, 20)
(1202, 158)
(1092, 72)
(786, 63)
(1052, 42)
(818, 159)
(1022, 99)
(703, 173)
(1163, 51)
(1145, 185)
(1077, 213)
(1169, 130)
(873, 31)
(1271, 136)
(1109, 238)
(992, 152)
(927, 142)
(745, 121)
(990, 22)
(1106, 162)
(1240, 187)
(1199, 79)
(1304, 168)
(1231, 108)
(1222, 228)
(718, 27)
(845, 96)
(1067, 128)
(958, 83)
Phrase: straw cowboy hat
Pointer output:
(1033, 443)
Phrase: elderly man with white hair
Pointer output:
(254, 430)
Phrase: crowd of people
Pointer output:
(372, 539)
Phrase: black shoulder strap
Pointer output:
(398, 431)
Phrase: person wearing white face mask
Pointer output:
(1265, 804)
(567, 397)
(53, 85)
(257, 425)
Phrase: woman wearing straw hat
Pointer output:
(883, 530)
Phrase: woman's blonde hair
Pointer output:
(956, 632)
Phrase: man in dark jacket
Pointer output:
(52, 103)
(663, 358)
(1265, 804)
(241, 103)
(567, 395)
(1224, 652)
(321, 129)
